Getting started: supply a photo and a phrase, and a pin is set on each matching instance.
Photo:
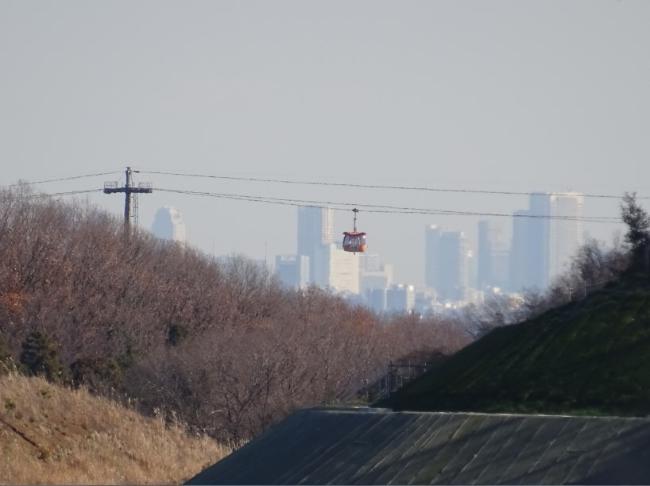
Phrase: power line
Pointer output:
(65, 179)
(334, 205)
(376, 186)
(56, 194)
(379, 208)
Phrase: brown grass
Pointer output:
(54, 435)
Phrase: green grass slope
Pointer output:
(589, 357)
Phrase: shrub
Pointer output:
(39, 356)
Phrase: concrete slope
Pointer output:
(375, 446)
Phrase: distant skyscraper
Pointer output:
(400, 298)
(566, 234)
(543, 244)
(373, 273)
(519, 253)
(168, 225)
(315, 231)
(452, 277)
(540, 234)
(376, 299)
(338, 269)
(292, 270)
(492, 264)
(446, 268)
(431, 255)
(530, 257)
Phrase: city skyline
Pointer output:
(438, 94)
(457, 271)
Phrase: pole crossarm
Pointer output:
(130, 191)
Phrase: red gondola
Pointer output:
(355, 241)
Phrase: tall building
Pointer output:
(530, 257)
(446, 269)
(539, 228)
(168, 225)
(400, 298)
(529, 264)
(493, 255)
(376, 299)
(337, 269)
(519, 251)
(566, 234)
(542, 243)
(315, 231)
(431, 255)
(292, 270)
(373, 273)
(452, 276)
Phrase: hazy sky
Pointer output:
(509, 95)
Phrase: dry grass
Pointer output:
(54, 435)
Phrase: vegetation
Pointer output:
(218, 343)
(589, 356)
(638, 233)
(50, 434)
(39, 356)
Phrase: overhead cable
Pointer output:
(64, 179)
(379, 208)
(377, 186)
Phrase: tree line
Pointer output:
(218, 343)
(221, 344)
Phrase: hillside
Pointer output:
(219, 342)
(50, 434)
(588, 357)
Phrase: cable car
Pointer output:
(355, 241)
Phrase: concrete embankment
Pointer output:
(376, 446)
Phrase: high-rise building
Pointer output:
(373, 273)
(519, 253)
(452, 277)
(400, 298)
(566, 234)
(446, 269)
(337, 269)
(539, 228)
(376, 299)
(542, 242)
(292, 270)
(431, 255)
(315, 231)
(168, 225)
(493, 255)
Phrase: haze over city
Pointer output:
(545, 96)
(324, 242)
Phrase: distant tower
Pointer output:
(446, 263)
(292, 270)
(531, 245)
(340, 269)
(315, 233)
(566, 234)
(168, 225)
(452, 283)
(492, 261)
(400, 298)
(431, 255)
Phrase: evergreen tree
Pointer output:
(5, 356)
(638, 230)
(39, 356)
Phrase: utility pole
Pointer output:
(131, 192)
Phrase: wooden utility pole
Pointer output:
(130, 197)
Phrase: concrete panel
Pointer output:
(376, 446)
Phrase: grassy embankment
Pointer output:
(589, 357)
(54, 435)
